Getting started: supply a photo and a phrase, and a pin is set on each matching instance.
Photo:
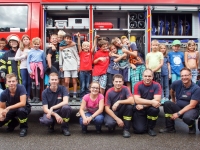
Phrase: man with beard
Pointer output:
(184, 104)
(147, 95)
(118, 106)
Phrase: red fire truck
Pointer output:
(141, 21)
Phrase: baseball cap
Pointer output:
(176, 42)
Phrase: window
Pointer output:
(13, 18)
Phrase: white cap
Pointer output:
(15, 38)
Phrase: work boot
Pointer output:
(151, 132)
(192, 129)
(12, 125)
(126, 134)
(51, 129)
(111, 130)
(168, 130)
(37, 99)
(66, 132)
(23, 132)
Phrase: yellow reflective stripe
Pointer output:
(19, 75)
(127, 118)
(152, 117)
(190, 126)
(6, 124)
(9, 69)
(23, 120)
(65, 119)
(168, 115)
(3, 67)
(2, 61)
(9, 62)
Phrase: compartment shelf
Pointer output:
(116, 29)
(83, 28)
(173, 37)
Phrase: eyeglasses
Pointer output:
(95, 88)
(186, 75)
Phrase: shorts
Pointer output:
(125, 73)
(71, 74)
(102, 79)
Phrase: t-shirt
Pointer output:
(112, 96)
(92, 105)
(2, 52)
(113, 67)
(11, 100)
(51, 98)
(85, 61)
(176, 60)
(123, 63)
(164, 68)
(183, 94)
(54, 57)
(154, 60)
(135, 60)
(147, 91)
(101, 67)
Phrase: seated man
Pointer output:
(147, 95)
(184, 105)
(55, 105)
(118, 105)
(13, 104)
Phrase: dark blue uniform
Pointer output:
(146, 118)
(183, 97)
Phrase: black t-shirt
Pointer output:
(54, 57)
(11, 100)
(51, 98)
(183, 94)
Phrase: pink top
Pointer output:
(92, 105)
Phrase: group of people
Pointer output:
(107, 74)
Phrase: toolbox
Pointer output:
(103, 25)
(78, 22)
(60, 23)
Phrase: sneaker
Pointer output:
(151, 132)
(78, 114)
(12, 125)
(23, 132)
(162, 101)
(111, 130)
(66, 132)
(84, 131)
(192, 129)
(37, 100)
(50, 129)
(167, 130)
(74, 95)
(126, 134)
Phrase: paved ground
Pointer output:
(39, 139)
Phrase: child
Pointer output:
(21, 56)
(101, 62)
(2, 52)
(123, 60)
(192, 59)
(36, 63)
(85, 65)
(113, 67)
(69, 64)
(165, 74)
(154, 61)
(176, 60)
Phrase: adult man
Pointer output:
(13, 104)
(147, 95)
(185, 98)
(55, 105)
(118, 104)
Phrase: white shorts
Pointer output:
(71, 74)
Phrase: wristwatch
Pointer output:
(178, 114)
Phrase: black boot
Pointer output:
(169, 126)
(37, 100)
(192, 129)
(33, 92)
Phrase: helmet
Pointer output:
(176, 42)
(14, 38)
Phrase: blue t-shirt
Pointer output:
(147, 91)
(2, 52)
(176, 60)
(164, 68)
(123, 63)
(113, 67)
(184, 95)
(51, 98)
(63, 43)
(112, 96)
(11, 100)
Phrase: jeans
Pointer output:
(194, 75)
(98, 121)
(85, 77)
(26, 80)
(175, 77)
(165, 86)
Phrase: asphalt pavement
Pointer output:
(39, 139)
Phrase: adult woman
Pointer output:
(91, 108)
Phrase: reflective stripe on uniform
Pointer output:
(152, 117)
(6, 124)
(9, 62)
(23, 120)
(3, 67)
(9, 69)
(65, 119)
(168, 115)
(127, 118)
(2, 61)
